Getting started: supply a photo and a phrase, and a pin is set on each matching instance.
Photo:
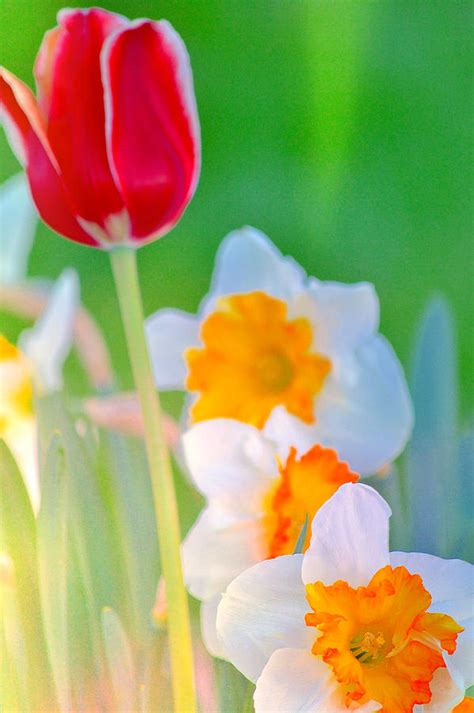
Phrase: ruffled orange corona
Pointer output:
(379, 640)
(304, 485)
(254, 358)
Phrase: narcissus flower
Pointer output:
(267, 337)
(36, 364)
(111, 142)
(259, 494)
(350, 626)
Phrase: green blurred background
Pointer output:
(341, 129)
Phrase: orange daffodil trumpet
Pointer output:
(350, 626)
(110, 143)
(259, 495)
(268, 339)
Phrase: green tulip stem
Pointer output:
(124, 265)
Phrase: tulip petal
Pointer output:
(26, 131)
(262, 610)
(68, 72)
(350, 537)
(148, 83)
(247, 261)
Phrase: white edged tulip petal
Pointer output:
(208, 627)
(229, 459)
(342, 315)
(262, 610)
(350, 537)
(216, 550)
(48, 342)
(364, 410)
(248, 261)
(169, 333)
(18, 221)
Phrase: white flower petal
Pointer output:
(451, 585)
(247, 261)
(263, 610)
(364, 410)
(48, 343)
(230, 460)
(446, 694)
(216, 550)
(286, 431)
(18, 221)
(208, 627)
(295, 681)
(21, 437)
(342, 315)
(350, 537)
(169, 333)
(446, 580)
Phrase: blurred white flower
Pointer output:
(350, 626)
(35, 365)
(268, 336)
(18, 221)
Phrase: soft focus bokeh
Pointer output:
(342, 129)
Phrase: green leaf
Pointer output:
(53, 566)
(18, 541)
(431, 468)
(299, 547)
(120, 661)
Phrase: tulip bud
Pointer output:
(111, 143)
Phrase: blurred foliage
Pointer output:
(343, 129)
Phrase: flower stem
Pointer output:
(124, 267)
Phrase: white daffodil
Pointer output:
(35, 365)
(268, 336)
(18, 221)
(348, 625)
(259, 493)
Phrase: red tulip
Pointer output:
(111, 144)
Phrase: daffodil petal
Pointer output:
(364, 409)
(295, 681)
(18, 219)
(350, 537)
(446, 694)
(169, 333)
(342, 315)
(229, 459)
(262, 610)
(247, 261)
(216, 550)
(208, 627)
(48, 343)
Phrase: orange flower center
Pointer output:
(16, 390)
(253, 359)
(380, 641)
(466, 706)
(302, 487)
